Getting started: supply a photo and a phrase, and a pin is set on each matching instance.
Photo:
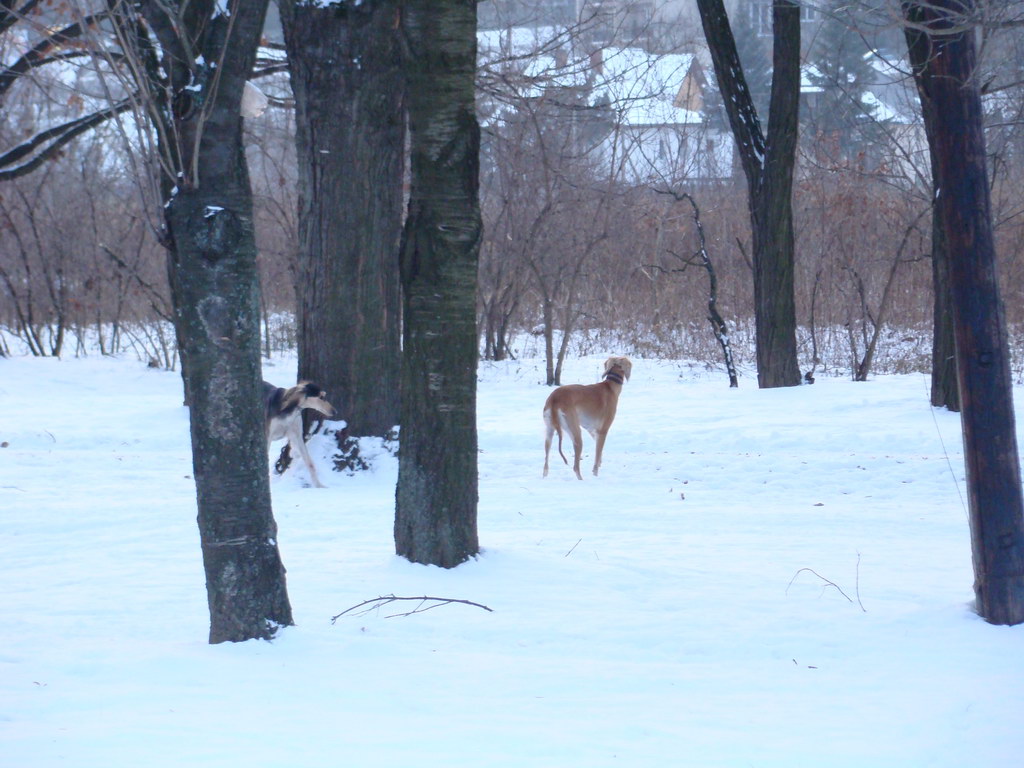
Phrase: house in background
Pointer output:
(660, 131)
(640, 115)
(604, 77)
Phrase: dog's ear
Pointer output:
(309, 389)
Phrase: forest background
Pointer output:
(574, 245)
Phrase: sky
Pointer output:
(756, 578)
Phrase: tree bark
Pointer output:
(945, 391)
(350, 137)
(436, 498)
(214, 282)
(949, 78)
(768, 165)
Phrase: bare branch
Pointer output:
(832, 584)
(379, 602)
(52, 141)
(40, 54)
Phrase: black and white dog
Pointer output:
(284, 416)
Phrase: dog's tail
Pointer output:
(554, 419)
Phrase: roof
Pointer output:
(642, 88)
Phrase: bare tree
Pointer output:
(57, 37)
(549, 207)
(191, 60)
(557, 170)
(944, 387)
(947, 75)
(702, 259)
(33, 269)
(768, 162)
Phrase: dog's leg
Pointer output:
(572, 423)
(599, 439)
(299, 445)
(554, 421)
(558, 422)
(549, 430)
(309, 463)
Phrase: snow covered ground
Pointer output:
(673, 612)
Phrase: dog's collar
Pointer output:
(616, 377)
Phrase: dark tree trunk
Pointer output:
(214, 282)
(552, 372)
(773, 210)
(350, 137)
(768, 166)
(948, 78)
(944, 390)
(436, 499)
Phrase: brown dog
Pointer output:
(590, 406)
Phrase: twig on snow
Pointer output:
(829, 583)
(858, 585)
(380, 602)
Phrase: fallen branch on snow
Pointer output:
(379, 602)
(829, 583)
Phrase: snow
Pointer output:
(643, 88)
(665, 613)
(521, 42)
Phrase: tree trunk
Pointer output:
(948, 77)
(944, 390)
(216, 285)
(768, 166)
(436, 499)
(551, 372)
(772, 211)
(350, 138)
(214, 282)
